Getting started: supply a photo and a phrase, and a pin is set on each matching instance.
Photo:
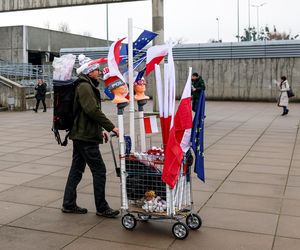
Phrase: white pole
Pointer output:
(130, 77)
(123, 164)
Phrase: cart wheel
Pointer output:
(193, 221)
(180, 231)
(128, 221)
(144, 217)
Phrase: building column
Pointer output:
(157, 27)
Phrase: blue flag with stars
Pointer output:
(144, 38)
(197, 137)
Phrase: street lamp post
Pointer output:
(238, 20)
(249, 14)
(218, 22)
(107, 38)
(257, 6)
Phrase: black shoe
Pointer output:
(75, 210)
(35, 110)
(108, 213)
(44, 110)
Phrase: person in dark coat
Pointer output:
(198, 85)
(87, 133)
(41, 89)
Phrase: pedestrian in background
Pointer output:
(283, 100)
(198, 85)
(41, 89)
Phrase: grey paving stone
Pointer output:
(262, 169)
(289, 226)
(12, 211)
(5, 187)
(14, 178)
(150, 234)
(252, 189)
(53, 220)
(54, 183)
(32, 168)
(7, 164)
(294, 181)
(214, 239)
(258, 178)
(286, 243)
(93, 244)
(247, 203)
(239, 220)
(292, 193)
(30, 196)
(25, 239)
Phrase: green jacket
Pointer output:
(89, 119)
(199, 85)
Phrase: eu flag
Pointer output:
(198, 137)
(144, 38)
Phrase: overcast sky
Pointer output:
(194, 21)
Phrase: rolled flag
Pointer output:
(155, 55)
(113, 59)
(150, 124)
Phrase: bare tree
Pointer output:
(87, 33)
(180, 40)
(47, 25)
(64, 27)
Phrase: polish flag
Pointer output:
(155, 55)
(179, 137)
(150, 124)
(113, 59)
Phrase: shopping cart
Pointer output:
(146, 197)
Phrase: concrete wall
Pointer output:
(13, 39)
(11, 44)
(240, 79)
(12, 89)
(52, 41)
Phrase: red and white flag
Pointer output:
(150, 124)
(113, 59)
(179, 137)
(155, 55)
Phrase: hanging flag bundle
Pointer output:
(179, 137)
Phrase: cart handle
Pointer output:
(118, 169)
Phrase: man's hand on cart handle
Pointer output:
(116, 131)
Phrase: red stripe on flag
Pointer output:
(147, 125)
(151, 65)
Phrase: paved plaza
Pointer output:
(251, 199)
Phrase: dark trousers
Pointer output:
(38, 104)
(86, 153)
(285, 109)
(195, 104)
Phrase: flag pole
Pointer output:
(130, 78)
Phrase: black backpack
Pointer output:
(63, 117)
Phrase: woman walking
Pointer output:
(283, 101)
(41, 89)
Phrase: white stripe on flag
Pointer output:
(150, 123)
(153, 122)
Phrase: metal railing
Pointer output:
(202, 51)
(27, 75)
